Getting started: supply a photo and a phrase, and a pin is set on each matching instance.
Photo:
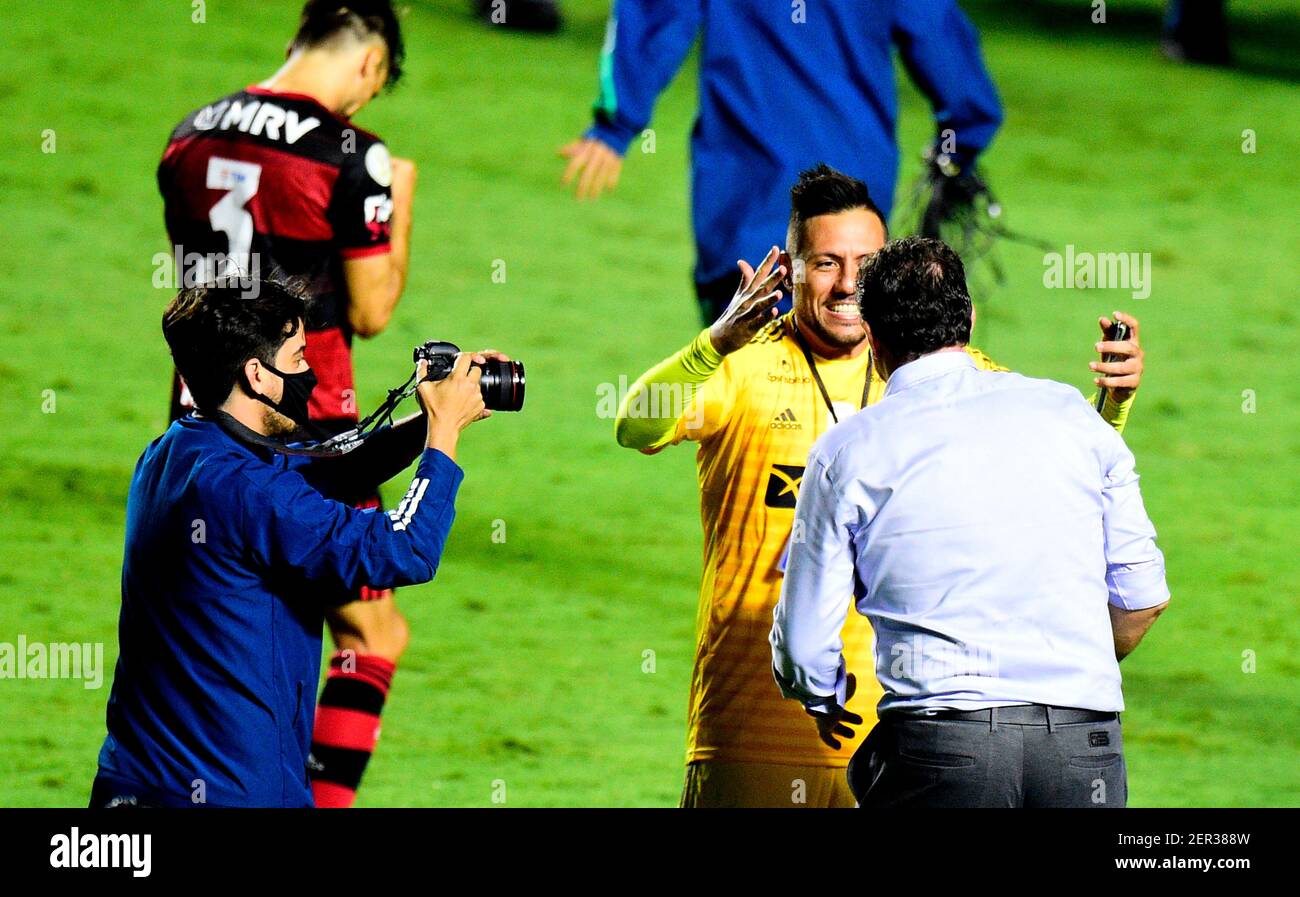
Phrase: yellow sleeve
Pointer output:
(685, 396)
(1114, 413)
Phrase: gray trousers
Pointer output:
(912, 761)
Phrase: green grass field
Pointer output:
(526, 660)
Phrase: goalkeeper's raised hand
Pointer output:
(753, 305)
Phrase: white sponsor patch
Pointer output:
(379, 165)
(378, 208)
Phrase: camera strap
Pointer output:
(333, 447)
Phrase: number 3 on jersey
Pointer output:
(229, 215)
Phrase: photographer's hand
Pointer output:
(492, 355)
(452, 403)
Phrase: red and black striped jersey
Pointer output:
(265, 183)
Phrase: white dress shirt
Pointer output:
(983, 520)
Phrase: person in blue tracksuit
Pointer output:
(782, 86)
(227, 544)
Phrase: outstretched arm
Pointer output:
(646, 42)
(356, 476)
(940, 49)
(807, 648)
(292, 525)
(649, 413)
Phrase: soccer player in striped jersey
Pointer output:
(275, 179)
(757, 391)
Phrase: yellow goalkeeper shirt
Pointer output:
(754, 414)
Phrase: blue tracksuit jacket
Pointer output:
(777, 95)
(231, 553)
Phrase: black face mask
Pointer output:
(297, 390)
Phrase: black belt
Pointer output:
(1016, 715)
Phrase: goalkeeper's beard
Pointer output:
(833, 335)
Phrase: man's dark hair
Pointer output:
(326, 20)
(822, 190)
(913, 298)
(213, 330)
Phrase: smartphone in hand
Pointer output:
(1117, 332)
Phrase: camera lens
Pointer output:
(503, 385)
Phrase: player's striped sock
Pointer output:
(347, 725)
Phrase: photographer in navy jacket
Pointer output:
(227, 544)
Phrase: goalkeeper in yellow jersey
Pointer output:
(754, 392)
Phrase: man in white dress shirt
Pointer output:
(991, 528)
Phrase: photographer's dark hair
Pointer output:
(913, 297)
(213, 330)
(327, 20)
(822, 190)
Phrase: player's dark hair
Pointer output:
(821, 190)
(325, 20)
(213, 330)
(913, 298)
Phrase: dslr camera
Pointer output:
(502, 382)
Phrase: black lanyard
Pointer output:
(334, 447)
(812, 363)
